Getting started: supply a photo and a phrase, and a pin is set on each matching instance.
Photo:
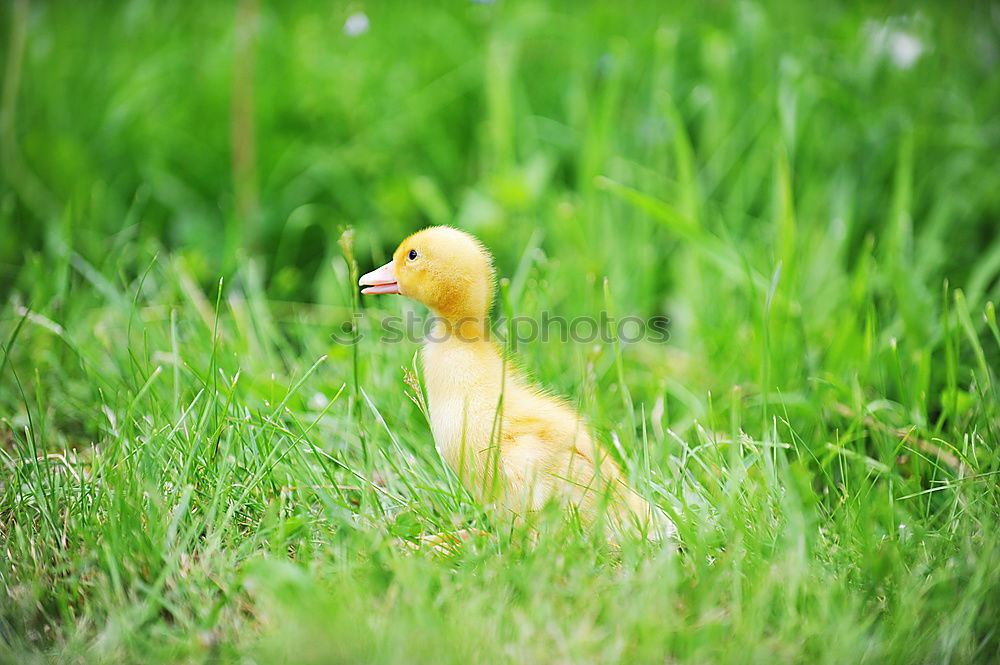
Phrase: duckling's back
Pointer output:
(539, 449)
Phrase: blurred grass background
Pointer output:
(195, 470)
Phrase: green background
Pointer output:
(195, 470)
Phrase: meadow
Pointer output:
(208, 455)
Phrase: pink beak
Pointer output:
(381, 280)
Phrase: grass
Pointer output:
(195, 470)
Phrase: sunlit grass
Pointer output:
(194, 468)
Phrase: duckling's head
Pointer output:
(446, 269)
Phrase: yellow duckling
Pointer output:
(510, 442)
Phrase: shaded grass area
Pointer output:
(194, 469)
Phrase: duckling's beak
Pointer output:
(380, 280)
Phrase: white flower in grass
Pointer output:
(356, 24)
(318, 401)
(901, 47)
(904, 49)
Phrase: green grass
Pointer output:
(194, 470)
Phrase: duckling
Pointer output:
(510, 442)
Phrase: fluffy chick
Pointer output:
(510, 442)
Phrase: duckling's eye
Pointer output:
(412, 255)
